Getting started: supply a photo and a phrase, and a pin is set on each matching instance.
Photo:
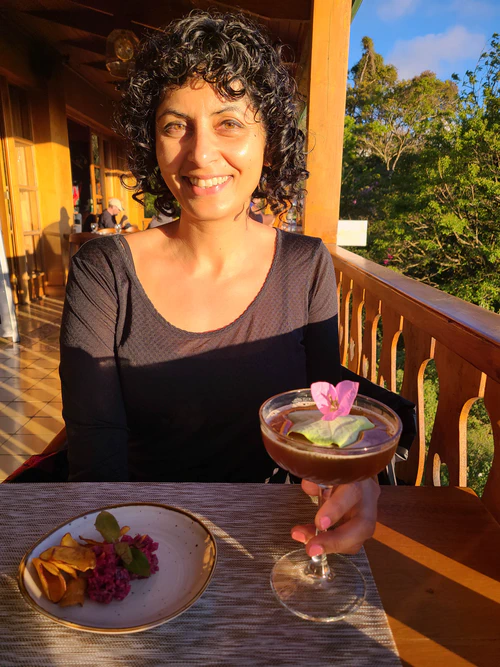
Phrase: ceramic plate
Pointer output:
(187, 554)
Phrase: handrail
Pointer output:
(461, 338)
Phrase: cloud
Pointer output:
(391, 10)
(441, 53)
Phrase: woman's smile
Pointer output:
(207, 185)
(210, 151)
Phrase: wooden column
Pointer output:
(331, 21)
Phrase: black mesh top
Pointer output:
(146, 401)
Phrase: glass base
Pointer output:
(314, 597)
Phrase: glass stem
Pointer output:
(318, 565)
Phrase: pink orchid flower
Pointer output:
(333, 401)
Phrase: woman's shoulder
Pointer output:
(99, 250)
(298, 248)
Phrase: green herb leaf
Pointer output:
(107, 525)
(139, 564)
(342, 431)
(122, 550)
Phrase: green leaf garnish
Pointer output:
(123, 551)
(107, 525)
(341, 431)
(139, 564)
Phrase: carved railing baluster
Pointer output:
(355, 330)
(460, 385)
(392, 325)
(369, 345)
(491, 493)
(419, 349)
(345, 317)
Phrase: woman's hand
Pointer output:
(353, 507)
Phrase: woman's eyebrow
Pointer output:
(231, 109)
(173, 112)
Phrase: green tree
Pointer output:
(422, 163)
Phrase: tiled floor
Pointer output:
(30, 390)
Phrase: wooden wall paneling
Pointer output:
(419, 350)
(460, 384)
(345, 317)
(392, 324)
(356, 331)
(369, 347)
(491, 493)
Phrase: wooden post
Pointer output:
(331, 21)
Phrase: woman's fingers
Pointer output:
(310, 488)
(304, 533)
(345, 539)
(353, 507)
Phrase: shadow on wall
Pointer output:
(56, 249)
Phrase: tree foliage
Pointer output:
(422, 164)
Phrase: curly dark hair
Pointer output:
(235, 56)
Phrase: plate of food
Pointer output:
(119, 569)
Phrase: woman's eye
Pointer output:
(175, 129)
(230, 125)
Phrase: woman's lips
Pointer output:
(203, 192)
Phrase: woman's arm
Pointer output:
(93, 407)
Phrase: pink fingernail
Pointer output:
(316, 550)
(325, 523)
(300, 537)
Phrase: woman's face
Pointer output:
(210, 151)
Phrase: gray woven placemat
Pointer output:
(237, 621)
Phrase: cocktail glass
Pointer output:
(325, 588)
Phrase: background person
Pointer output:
(108, 219)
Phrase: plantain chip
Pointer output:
(80, 558)
(75, 592)
(54, 586)
(124, 530)
(68, 541)
(89, 541)
(64, 567)
(51, 567)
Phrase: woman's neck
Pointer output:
(213, 247)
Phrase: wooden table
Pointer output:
(435, 558)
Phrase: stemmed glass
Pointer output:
(324, 588)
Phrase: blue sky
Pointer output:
(444, 36)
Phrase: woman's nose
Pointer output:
(204, 148)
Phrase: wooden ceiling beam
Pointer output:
(92, 44)
(88, 21)
(97, 64)
(102, 6)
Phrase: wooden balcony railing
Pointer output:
(462, 339)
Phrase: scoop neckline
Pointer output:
(130, 268)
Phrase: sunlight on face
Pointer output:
(210, 151)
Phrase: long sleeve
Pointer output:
(321, 338)
(93, 407)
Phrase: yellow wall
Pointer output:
(54, 175)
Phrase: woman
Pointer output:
(172, 338)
